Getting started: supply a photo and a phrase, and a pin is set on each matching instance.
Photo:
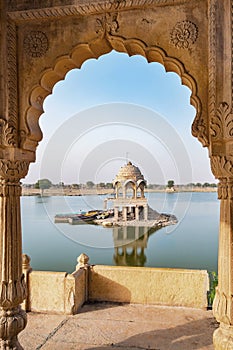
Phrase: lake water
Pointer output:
(191, 243)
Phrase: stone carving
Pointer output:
(222, 124)
(231, 56)
(212, 58)
(8, 134)
(10, 131)
(11, 323)
(222, 166)
(225, 189)
(184, 34)
(12, 293)
(13, 171)
(87, 8)
(107, 24)
(222, 307)
(36, 43)
(199, 130)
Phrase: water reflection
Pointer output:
(130, 243)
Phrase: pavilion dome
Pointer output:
(128, 172)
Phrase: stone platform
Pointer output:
(105, 326)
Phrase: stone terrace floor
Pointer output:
(121, 326)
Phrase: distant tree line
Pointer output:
(43, 184)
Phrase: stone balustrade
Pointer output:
(60, 292)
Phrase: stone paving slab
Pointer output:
(130, 327)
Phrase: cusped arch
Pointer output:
(95, 49)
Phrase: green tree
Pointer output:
(170, 183)
(43, 184)
(90, 184)
(101, 185)
(109, 185)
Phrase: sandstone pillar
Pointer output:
(116, 213)
(223, 302)
(12, 284)
(137, 213)
(124, 210)
(145, 212)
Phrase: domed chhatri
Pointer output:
(129, 171)
(128, 179)
(129, 185)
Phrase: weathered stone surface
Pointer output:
(113, 326)
(175, 287)
(57, 291)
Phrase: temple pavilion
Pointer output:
(130, 202)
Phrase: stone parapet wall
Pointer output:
(60, 292)
(57, 292)
(172, 287)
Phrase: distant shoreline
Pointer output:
(87, 192)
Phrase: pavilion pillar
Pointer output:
(116, 213)
(137, 213)
(12, 284)
(146, 212)
(223, 302)
(124, 210)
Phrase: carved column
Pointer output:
(222, 167)
(12, 285)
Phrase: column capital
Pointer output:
(225, 188)
(13, 170)
(222, 166)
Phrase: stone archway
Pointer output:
(41, 41)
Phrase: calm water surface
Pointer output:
(192, 243)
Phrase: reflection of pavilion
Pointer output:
(130, 243)
(129, 200)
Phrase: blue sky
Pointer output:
(112, 110)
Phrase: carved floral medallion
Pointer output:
(36, 44)
(184, 34)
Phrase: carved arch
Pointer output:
(95, 49)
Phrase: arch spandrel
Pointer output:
(171, 35)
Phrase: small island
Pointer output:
(129, 205)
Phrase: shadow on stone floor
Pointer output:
(99, 305)
(194, 335)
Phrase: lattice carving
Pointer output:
(36, 43)
(184, 34)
